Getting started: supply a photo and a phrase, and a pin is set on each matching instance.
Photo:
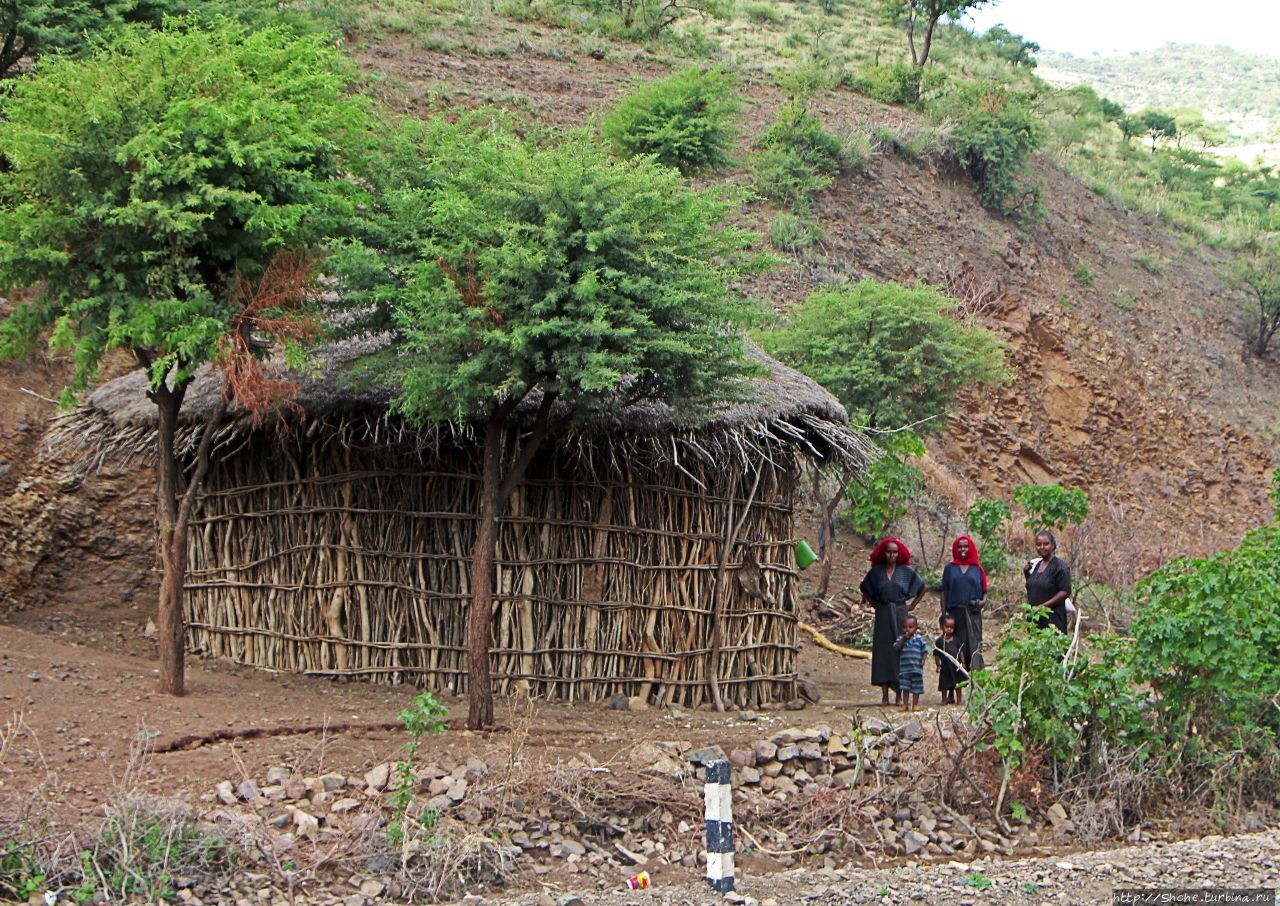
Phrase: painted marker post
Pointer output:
(719, 815)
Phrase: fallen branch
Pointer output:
(826, 643)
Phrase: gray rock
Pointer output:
(377, 778)
(765, 751)
(913, 842)
(276, 776)
(619, 702)
(248, 791)
(706, 755)
(226, 793)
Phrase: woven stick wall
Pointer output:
(667, 580)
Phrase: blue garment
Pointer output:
(911, 664)
(959, 588)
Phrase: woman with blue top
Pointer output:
(964, 593)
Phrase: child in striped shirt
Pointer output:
(912, 651)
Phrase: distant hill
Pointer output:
(1239, 90)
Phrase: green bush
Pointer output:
(995, 131)
(792, 233)
(892, 485)
(893, 355)
(1207, 633)
(786, 179)
(799, 131)
(988, 519)
(857, 146)
(1051, 506)
(1079, 708)
(897, 83)
(763, 12)
(685, 120)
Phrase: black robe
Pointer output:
(890, 597)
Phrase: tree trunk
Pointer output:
(173, 549)
(829, 507)
(480, 684)
(174, 507)
(494, 490)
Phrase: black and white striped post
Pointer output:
(719, 815)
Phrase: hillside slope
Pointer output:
(1132, 387)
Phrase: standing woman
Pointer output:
(964, 592)
(894, 589)
(1048, 582)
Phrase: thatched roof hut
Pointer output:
(646, 553)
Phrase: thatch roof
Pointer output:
(118, 420)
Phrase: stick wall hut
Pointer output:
(648, 555)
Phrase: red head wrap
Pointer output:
(904, 555)
(971, 560)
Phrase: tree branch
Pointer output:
(541, 427)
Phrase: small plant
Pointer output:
(784, 178)
(1051, 506)
(1122, 300)
(882, 891)
(793, 234)
(995, 132)
(763, 13)
(1018, 810)
(685, 121)
(1083, 276)
(424, 716)
(978, 881)
(1150, 263)
(1028, 887)
(891, 487)
(857, 146)
(897, 83)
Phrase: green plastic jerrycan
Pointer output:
(805, 557)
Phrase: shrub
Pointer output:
(994, 134)
(1083, 276)
(1051, 506)
(1206, 635)
(792, 233)
(763, 12)
(1078, 707)
(857, 145)
(897, 83)
(890, 353)
(988, 519)
(799, 131)
(685, 120)
(786, 179)
(890, 488)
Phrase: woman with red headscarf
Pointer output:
(894, 589)
(964, 592)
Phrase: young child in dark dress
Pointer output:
(912, 651)
(947, 652)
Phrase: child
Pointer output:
(912, 651)
(948, 651)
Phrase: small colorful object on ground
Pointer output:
(638, 882)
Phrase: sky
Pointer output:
(1084, 27)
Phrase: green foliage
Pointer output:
(898, 83)
(686, 120)
(1083, 276)
(143, 849)
(147, 179)
(783, 177)
(21, 873)
(1072, 707)
(1010, 47)
(649, 19)
(557, 268)
(892, 486)
(1255, 272)
(1275, 492)
(1051, 506)
(892, 354)
(763, 12)
(32, 27)
(988, 519)
(798, 130)
(424, 716)
(792, 233)
(978, 881)
(1206, 636)
(919, 18)
(994, 134)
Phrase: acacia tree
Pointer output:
(1256, 272)
(919, 19)
(166, 198)
(894, 356)
(553, 284)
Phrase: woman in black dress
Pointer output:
(894, 589)
(1048, 582)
